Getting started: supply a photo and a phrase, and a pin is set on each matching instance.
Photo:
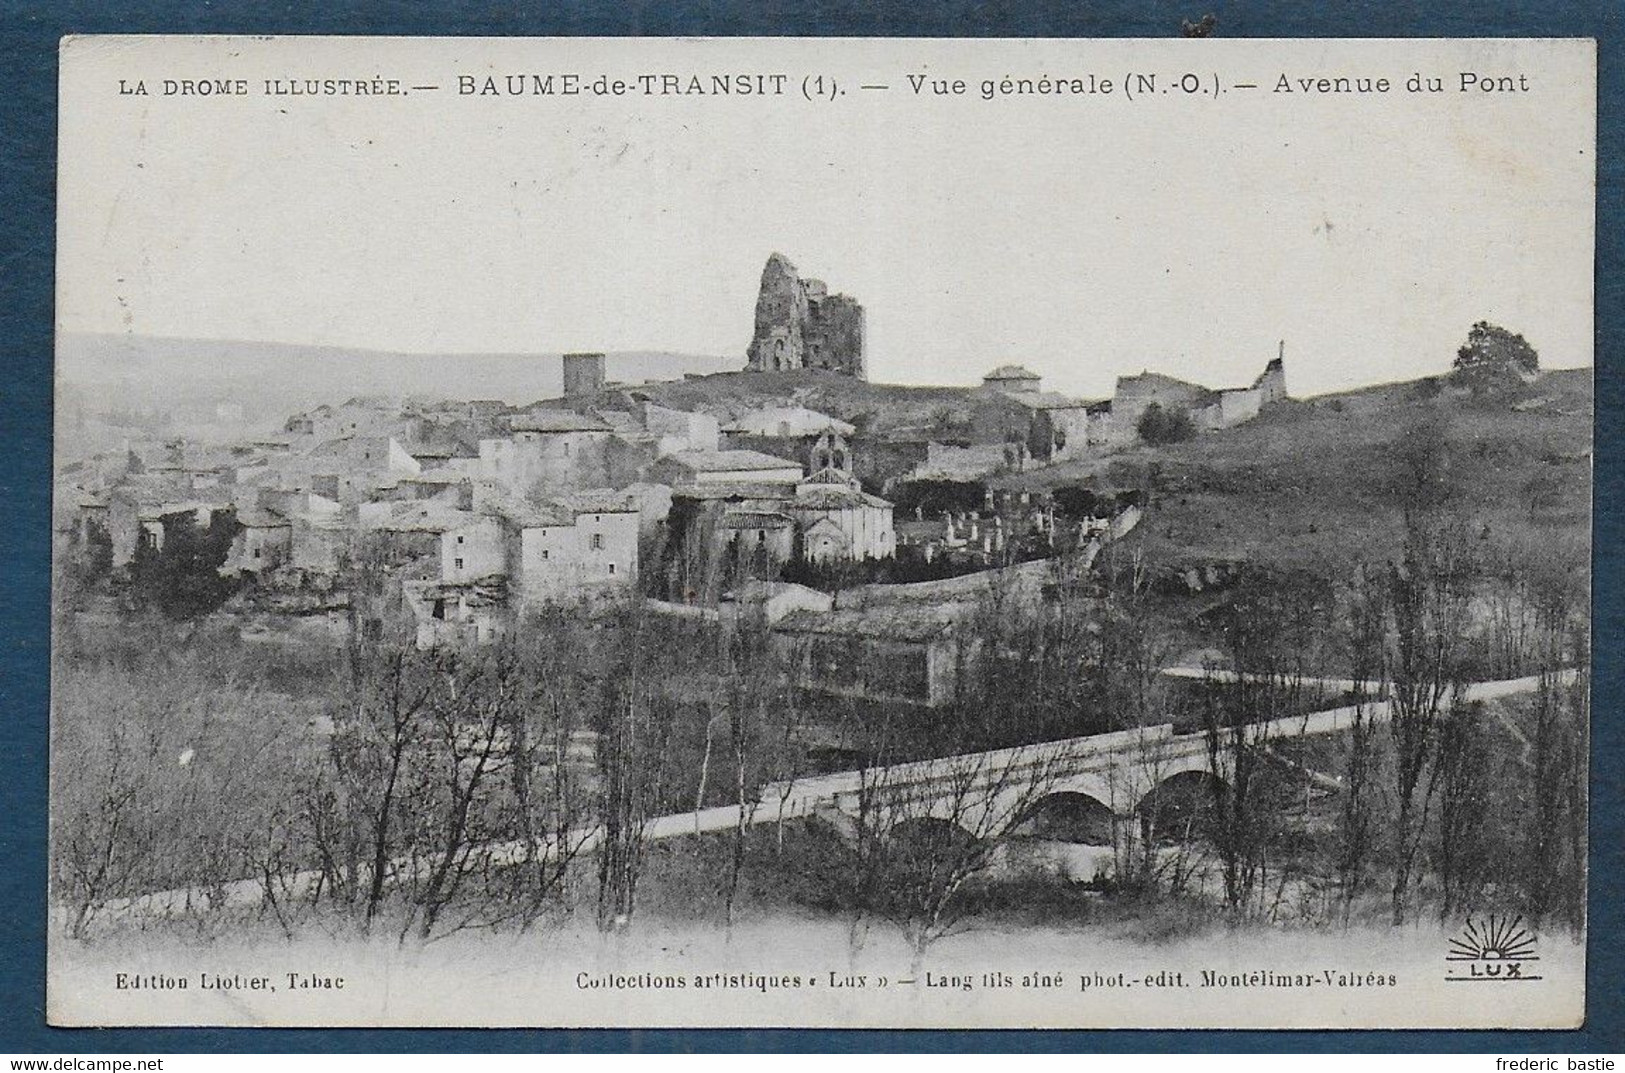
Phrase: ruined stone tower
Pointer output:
(800, 325)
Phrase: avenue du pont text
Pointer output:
(818, 87)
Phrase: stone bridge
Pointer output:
(985, 794)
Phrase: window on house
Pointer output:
(544, 555)
(612, 569)
(761, 534)
(256, 553)
(459, 540)
(566, 448)
(457, 563)
(597, 542)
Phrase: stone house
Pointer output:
(473, 548)
(910, 653)
(1013, 380)
(457, 614)
(677, 430)
(580, 545)
(548, 452)
(348, 468)
(411, 535)
(759, 541)
(263, 542)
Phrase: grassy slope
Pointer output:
(1316, 484)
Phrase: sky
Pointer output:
(1085, 237)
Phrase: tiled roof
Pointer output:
(532, 515)
(600, 500)
(423, 517)
(1050, 400)
(257, 518)
(726, 461)
(1012, 372)
(556, 421)
(831, 497)
(735, 490)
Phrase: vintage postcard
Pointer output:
(843, 533)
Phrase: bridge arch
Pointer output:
(1180, 805)
(916, 842)
(1066, 816)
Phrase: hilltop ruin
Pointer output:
(800, 325)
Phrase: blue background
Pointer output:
(28, 42)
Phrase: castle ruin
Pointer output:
(800, 325)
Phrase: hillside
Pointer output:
(1313, 484)
(1320, 483)
(891, 410)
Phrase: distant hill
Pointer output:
(271, 380)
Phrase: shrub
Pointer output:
(1158, 425)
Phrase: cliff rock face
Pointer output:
(800, 325)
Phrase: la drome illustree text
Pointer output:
(1130, 85)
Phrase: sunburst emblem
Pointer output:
(1497, 939)
(1498, 948)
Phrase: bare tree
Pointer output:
(1368, 618)
(99, 850)
(476, 702)
(1554, 853)
(1132, 647)
(156, 738)
(760, 752)
(1465, 853)
(380, 716)
(549, 778)
(1269, 634)
(1427, 598)
(635, 726)
(928, 830)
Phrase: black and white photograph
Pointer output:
(865, 533)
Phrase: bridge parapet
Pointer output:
(1117, 769)
(974, 781)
